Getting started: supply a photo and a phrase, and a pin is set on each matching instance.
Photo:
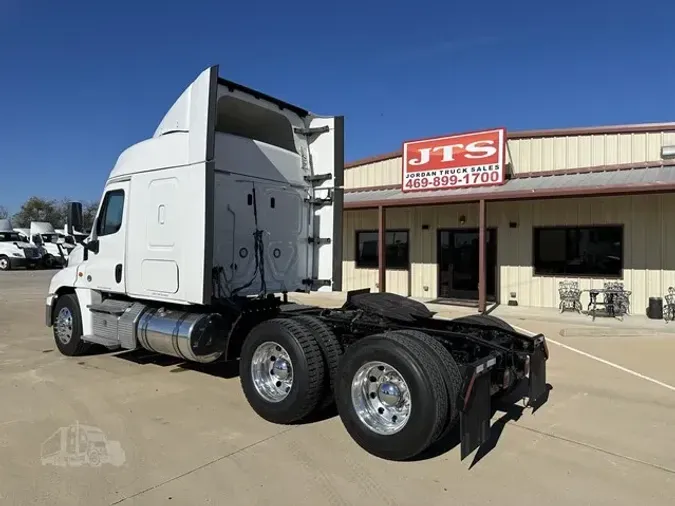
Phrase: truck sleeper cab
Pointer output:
(203, 230)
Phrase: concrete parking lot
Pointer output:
(187, 436)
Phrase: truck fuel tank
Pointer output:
(197, 337)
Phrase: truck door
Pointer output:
(104, 268)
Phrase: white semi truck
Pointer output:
(205, 227)
(14, 250)
(53, 249)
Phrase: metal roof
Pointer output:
(543, 133)
(638, 180)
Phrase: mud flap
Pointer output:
(474, 419)
(537, 375)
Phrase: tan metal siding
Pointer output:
(649, 248)
(355, 278)
(574, 152)
(380, 173)
(541, 154)
(649, 264)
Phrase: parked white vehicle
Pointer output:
(70, 240)
(53, 249)
(14, 251)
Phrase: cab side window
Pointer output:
(112, 210)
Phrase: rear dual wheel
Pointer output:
(392, 394)
(396, 393)
(331, 350)
(282, 370)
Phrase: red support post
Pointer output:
(381, 249)
(482, 270)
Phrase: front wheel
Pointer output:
(5, 265)
(67, 326)
(391, 396)
(94, 458)
(49, 261)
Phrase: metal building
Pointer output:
(591, 205)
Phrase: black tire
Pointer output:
(452, 376)
(5, 264)
(307, 365)
(485, 320)
(94, 458)
(75, 346)
(331, 350)
(429, 399)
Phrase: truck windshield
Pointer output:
(10, 237)
(50, 237)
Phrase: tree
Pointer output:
(3, 213)
(52, 211)
(37, 209)
(89, 209)
(88, 214)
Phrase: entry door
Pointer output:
(458, 263)
(104, 270)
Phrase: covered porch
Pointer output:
(595, 182)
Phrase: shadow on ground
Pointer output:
(511, 412)
(229, 370)
(226, 370)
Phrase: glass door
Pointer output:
(458, 264)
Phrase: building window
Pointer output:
(397, 249)
(579, 251)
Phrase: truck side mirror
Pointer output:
(74, 220)
(92, 246)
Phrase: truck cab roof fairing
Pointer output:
(192, 104)
(186, 133)
(232, 86)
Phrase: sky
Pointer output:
(81, 81)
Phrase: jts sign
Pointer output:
(473, 159)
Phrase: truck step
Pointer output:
(318, 240)
(110, 306)
(319, 202)
(308, 132)
(108, 343)
(318, 178)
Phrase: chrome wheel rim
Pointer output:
(272, 371)
(381, 398)
(64, 325)
(3, 263)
